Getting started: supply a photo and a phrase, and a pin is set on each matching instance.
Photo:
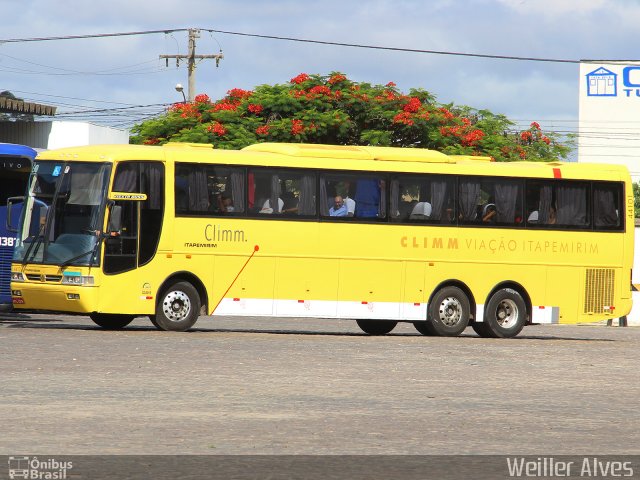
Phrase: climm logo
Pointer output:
(215, 233)
(604, 83)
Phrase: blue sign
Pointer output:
(56, 170)
(604, 83)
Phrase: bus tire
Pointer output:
(376, 327)
(178, 308)
(448, 312)
(424, 328)
(110, 321)
(505, 314)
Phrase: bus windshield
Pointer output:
(63, 213)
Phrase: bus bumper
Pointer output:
(62, 298)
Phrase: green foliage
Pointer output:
(636, 199)
(332, 109)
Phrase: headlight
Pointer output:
(17, 277)
(72, 279)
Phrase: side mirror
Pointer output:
(10, 202)
(115, 219)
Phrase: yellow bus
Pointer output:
(379, 235)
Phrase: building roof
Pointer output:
(12, 105)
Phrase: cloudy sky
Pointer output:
(125, 71)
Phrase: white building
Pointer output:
(609, 113)
(48, 135)
(609, 128)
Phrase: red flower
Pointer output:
(446, 113)
(255, 108)
(526, 136)
(263, 130)
(390, 84)
(337, 78)
(217, 129)
(202, 98)
(225, 106)
(303, 77)
(472, 138)
(186, 110)
(535, 125)
(320, 90)
(404, 118)
(546, 140)
(239, 93)
(297, 127)
(151, 141)
(413, 105)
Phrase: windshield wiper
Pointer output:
(35, 243)
(92, 252)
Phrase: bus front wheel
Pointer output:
(505, 315)
(110, 321)
(376, 327)
(178, 308)
(424, 328)
(448, 312)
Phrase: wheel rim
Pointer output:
(507, 313)
(450, 311)
(176, 306)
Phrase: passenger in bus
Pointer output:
(351, 206)
(339, 209)
(227, 204)
(290, 203)
(421, 211)
(552, 215)
(489, 213)
(266, 206)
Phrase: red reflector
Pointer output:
(541, 307)
(149, 298)
(416, 304)
(300, 301)
(18, 300)
(236, 299)
(557, 173)
(364, 303)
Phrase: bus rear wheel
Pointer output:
(110, 321)
(178, 308)
(505, 315)
(376, 327)
(448, 312)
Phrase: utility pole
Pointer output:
(191, 58)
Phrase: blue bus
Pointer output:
(15, 166)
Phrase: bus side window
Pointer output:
(606, 206)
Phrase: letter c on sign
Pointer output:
(403, 241)
(206, 232)
(626, 77)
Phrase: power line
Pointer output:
(94, 35)
(395, 49)
(296, 39)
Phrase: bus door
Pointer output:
(132, 235)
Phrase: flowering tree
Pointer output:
(332, 109)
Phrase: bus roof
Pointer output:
(14, 150)
(340, 157)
